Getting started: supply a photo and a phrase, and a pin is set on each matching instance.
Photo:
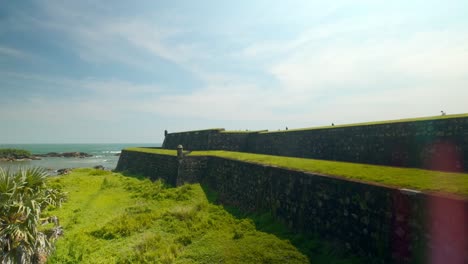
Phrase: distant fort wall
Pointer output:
(149, 165)
(209, 139)
(436, 144)
(387, 224)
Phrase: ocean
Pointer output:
(103, 154)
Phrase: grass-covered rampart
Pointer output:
(199, 130)
(241, 131)
(112, 218)
(418, 179)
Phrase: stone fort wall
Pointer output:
(381, 223)
(437, 144)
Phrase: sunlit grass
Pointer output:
(200, 130)
(242, 131)
(169, 152)
(419, 179)
(111, 218)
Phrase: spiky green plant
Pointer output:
(24, 195)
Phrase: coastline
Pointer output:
(104, 154)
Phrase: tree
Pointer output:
(24, 195)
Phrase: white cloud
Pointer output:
(137, 42)
(96, 100)
(151, 38)
(379, 77)
(422, 57)
(120, 89)
(385, 79)
(230, 102)
(8, 51)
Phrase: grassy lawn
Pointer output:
(200, 130)
(169, 152)
(418, 179)
(241, 131)
(112, 218)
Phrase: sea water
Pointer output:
(106, 155)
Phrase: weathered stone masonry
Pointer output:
(440, 144)
(149, 165)
(209, 139)
(386, 224)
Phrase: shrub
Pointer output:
(183, 213)
(182, 193)
(24, 196)
(145, 188)
(124, 225)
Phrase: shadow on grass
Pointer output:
(317, 250)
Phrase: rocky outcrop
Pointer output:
(20, 159)
(99, 167)
(10, 154)
(47, 155)
(65, 155)
(63, 171)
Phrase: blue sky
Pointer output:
(124, 71)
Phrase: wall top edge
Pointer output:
(377, 123)
(373, 123)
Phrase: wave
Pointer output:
(111, 151)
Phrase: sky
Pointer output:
(125, 71)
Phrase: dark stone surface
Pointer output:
(64, 171)
(194, 140)
(149, 165)
(372, 221)
(191, 169)
(99, 167)
(213, 139)
(65, 155)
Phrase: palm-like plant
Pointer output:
(23, 197)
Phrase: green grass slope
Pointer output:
(111, 218)
(418, 179)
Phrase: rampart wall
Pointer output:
(209, 139)
(437, 144)
(149, 165)
(382, 223)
